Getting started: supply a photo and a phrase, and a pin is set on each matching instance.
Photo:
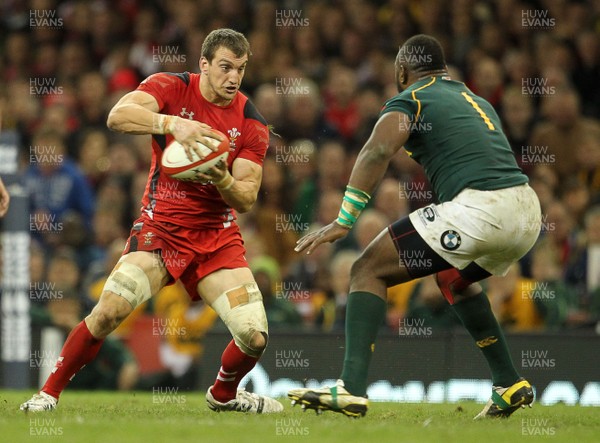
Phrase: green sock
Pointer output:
(365, 313)
(477, 317)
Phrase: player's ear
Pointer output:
(403, 75)
(203, 64)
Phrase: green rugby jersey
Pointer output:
(457, 137)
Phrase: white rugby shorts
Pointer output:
(491, 228)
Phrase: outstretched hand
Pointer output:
(326, 234)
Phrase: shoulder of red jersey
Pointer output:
(163, 84)
(166, 79)
(252, 113)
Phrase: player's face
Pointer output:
(223, 74)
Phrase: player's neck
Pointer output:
(209, 94)
(429, 74)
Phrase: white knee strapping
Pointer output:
(130, 282)
(241, 309)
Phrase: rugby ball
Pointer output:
(176, 163)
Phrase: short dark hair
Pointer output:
(421, 53)
(235, 41)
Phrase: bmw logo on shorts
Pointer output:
(450, 240)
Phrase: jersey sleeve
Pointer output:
(256, 140)
(400, 103)
(161, 86)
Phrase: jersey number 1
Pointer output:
(483, 115)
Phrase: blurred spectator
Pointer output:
(587, 73)
(279, 302)
(311, 272)
(486, 80)
(91, 92)
(563, 131)
(397, 301)
(557, 227)
(145, 35)
(387, 200)
(56, 185)
(554, 300)
(270, 105)
(63, 271)
(304, 111)
(93, 156)
(576, 197)
(512, 300)
(370, 224)
(341, 106)
(583, 271)
(15, 60)
(330, 305)
(518, 119)
(544, 181)
(588, 160)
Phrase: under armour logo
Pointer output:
(190, 115)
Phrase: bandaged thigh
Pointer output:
(130, 282)
(241, 309)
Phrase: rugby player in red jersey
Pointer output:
(187, 230)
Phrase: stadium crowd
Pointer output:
(320, 72)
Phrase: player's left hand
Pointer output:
(326, 234)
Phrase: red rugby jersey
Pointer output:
(188, 204)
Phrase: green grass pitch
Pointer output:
(111, 417)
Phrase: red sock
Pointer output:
(79, 349)
(234, 365)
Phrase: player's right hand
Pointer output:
(189, 132)
(326, 234)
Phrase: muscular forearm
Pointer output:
(240, 195)
(132, 118)
(370, 167)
